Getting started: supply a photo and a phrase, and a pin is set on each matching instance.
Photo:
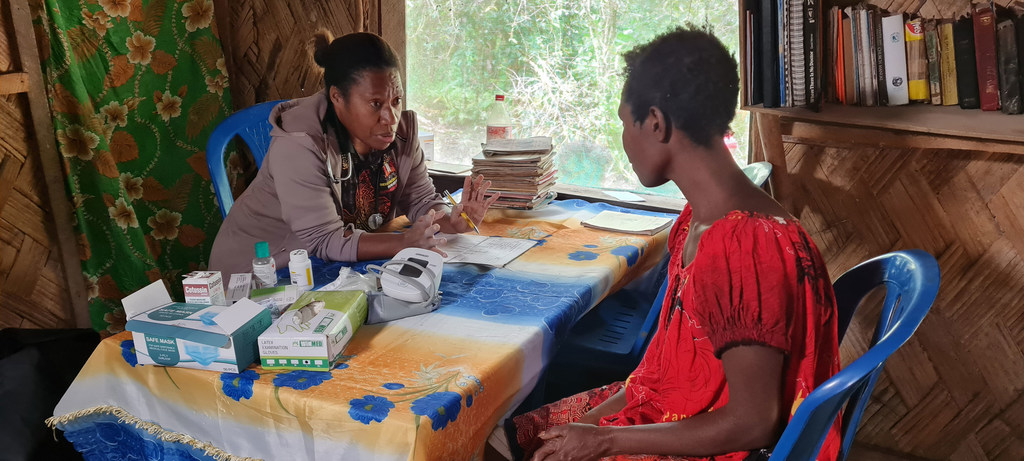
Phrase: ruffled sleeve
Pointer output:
(744, 283)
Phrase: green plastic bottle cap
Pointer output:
(262, 250)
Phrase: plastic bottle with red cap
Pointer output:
(499, 124)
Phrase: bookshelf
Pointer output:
(957, 128)
(910, 126)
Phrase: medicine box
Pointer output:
(313, 333)
(218, 338)
(204, 287)
(276, 299)
(239, 286)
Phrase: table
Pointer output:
(428, 387)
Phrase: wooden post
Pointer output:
(50, 160)
(770, 130)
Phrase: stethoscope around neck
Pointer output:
(375, 220)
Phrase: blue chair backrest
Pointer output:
(649, 325)
(252, 125)
(911, 280)
(758, 172)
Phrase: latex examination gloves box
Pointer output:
(168, 333)
(313, 332)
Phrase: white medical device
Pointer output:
(409, 285)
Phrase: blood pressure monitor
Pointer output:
(414, 275)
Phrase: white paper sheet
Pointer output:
(481, 249)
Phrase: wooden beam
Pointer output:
(849, 136)
(51, 162)
(12, 83)
(924, 119)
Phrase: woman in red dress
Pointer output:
(748, 328)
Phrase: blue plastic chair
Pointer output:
(758, 172)
(911, 280)
(615, 334)
(252, 125)
(607, 343)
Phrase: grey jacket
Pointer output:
(293, 204)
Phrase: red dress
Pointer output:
(755, 279)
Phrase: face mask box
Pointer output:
(204, 287)
(201, 336)
(313, 333)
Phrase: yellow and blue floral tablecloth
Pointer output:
(428, 387)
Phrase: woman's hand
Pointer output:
(474, 203)
(571, 442)
(421, 234)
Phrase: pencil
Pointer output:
(451, 200)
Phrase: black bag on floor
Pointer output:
(36, 367)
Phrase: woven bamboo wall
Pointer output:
(266, 41)
(32, 288)
(929, 9)
(955, 390)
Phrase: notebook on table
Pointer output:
(629, 223)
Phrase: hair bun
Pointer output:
(321, 42)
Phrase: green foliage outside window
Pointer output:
(559, 65)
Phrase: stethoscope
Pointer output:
(375, 220)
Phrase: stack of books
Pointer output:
(521, 170)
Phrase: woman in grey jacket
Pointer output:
(341, 163)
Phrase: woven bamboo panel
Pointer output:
(32, 288)
(954, 391)
(937, 9)
(266, 43)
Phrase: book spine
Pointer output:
(770, 52)
(797, 53)
(867, 75)
(1009, 78)
(947, 63)
(812, 46)
(785, 93)
(966, 64)
(917, 61)
(755, 85)
(879, 49)
(1018, 24)
(840, 56)
(849, 68)
(931, 43)
(985, 53)
(895, 60)
(855, 45)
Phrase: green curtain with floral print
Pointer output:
(136, 87)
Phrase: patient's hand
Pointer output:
(572, 442)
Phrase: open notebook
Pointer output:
(481, 249)
(629, 223)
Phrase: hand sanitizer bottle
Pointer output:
(264, 269)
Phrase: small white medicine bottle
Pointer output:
(301, 269)
(264, 269)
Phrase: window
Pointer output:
(558, 63)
